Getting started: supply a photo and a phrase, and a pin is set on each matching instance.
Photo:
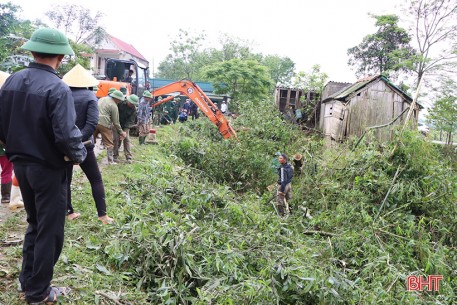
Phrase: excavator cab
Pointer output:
(127, 75)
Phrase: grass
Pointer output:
(181, 237)
(80, 266)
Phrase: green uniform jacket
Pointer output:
(127, 115)
(108, 113)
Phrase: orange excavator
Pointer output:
(134, 78)
(192, 91)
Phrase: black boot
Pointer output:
(281, 210)
(6, 192)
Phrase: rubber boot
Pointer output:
(141, 139)
(6, 192)
(109, 153)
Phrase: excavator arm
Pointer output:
(192, 91)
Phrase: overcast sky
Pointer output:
(309, 32)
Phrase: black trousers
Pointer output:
(44, 191)
(90, 168)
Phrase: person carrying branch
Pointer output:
(285, 175)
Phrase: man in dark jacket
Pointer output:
(285, 173)
(37, 125)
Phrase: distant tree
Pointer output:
(434, 26)
(182, 61)
(233, 47)
(243, 80)
(281, 69)
(443, 116)
(312, 82)
(84, 61)
(77, 22)
(384, 51)
(13, 33)
(8, 18)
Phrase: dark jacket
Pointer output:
(37, 118)
(285, 175)
(127, 115)
(86, 107)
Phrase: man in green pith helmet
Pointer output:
(37, 125)
(143, 115)
(109, 116)
(127, 118)
(174, 109)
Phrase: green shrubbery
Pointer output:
(203, 231)
(243, 163)
(195, 223)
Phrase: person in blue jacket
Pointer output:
(284, 194)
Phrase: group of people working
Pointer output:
(48, 125)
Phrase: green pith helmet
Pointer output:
(133, 99)
(111, 90)
(49, 41)
(123, 90)
(117, 95)
(147, 94)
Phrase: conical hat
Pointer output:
(3, 77)
(79, 77)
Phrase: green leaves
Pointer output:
(242, 80)
(384, 51)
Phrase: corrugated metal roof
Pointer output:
(345, 92)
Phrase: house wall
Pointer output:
(377, 104)
(333, 87)
(333, 123)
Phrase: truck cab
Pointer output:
(124, 74)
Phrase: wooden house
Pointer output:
(369, 102)
(288, 97)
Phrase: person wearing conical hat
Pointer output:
(81, 83)
(143, 115)
(37, 125)
(127, 119)
(6, 165)
(109, 115)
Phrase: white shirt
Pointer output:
(224, 107)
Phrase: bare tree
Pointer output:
(434, 30)
(76, 21)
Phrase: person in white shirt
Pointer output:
(224, 107)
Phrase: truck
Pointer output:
(128, 75)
